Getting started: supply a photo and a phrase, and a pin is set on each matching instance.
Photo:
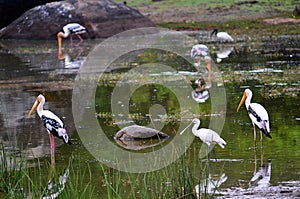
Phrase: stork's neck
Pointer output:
(248, 101)
(40, 108)
(64, 34)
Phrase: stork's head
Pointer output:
(39, 99)
(247, 93)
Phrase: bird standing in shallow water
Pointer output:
(224, 36)
(200, 51)
(258, 115)
(208, 136)
(68, 30)
(52, 123)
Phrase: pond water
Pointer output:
(270, 67)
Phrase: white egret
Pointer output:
(208, 136)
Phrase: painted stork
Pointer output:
(52, 123)
(68, 30)
(224, 36)
(200, 51)
(257, 113)
(208, 136)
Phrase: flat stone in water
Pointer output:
(138, 132)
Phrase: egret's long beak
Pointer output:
(185, 128)
(241, 102)
(36, 103)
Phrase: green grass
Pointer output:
(177, 180)
(19, 180)
(233, 21)
(261, 6)
(238, 27)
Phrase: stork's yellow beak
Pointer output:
(36, 103)
(59, 40)
(241, 102)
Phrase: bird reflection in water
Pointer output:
(210, 182)
(224, 52)
(261, 177)
(210, 185)
(73, 59)
(200, 93)
(56, 185)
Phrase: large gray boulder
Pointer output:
(102, 18)
(12, 9)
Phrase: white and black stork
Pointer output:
(69, 30)
(52, 123)
(258, 115)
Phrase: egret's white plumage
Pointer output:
(208, 136)
(224, 36)
(257, 113)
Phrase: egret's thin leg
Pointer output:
(214, 151)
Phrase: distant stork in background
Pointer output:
(69, 30)
(52, 123)
(223, 36)
(200, 51)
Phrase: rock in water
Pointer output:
(102, 19)
(138, 132)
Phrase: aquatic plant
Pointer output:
(177, 180)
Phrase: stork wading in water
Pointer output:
(52, 123)
(208, 136)
(200, 51)
(69, 30)
(222, 36)
(258, 115)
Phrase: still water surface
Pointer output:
(268, 66)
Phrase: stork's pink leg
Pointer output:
(52, 145)
(71, 42)
(261, 136)
(80, 38)
(254, 134)
(52, 141)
